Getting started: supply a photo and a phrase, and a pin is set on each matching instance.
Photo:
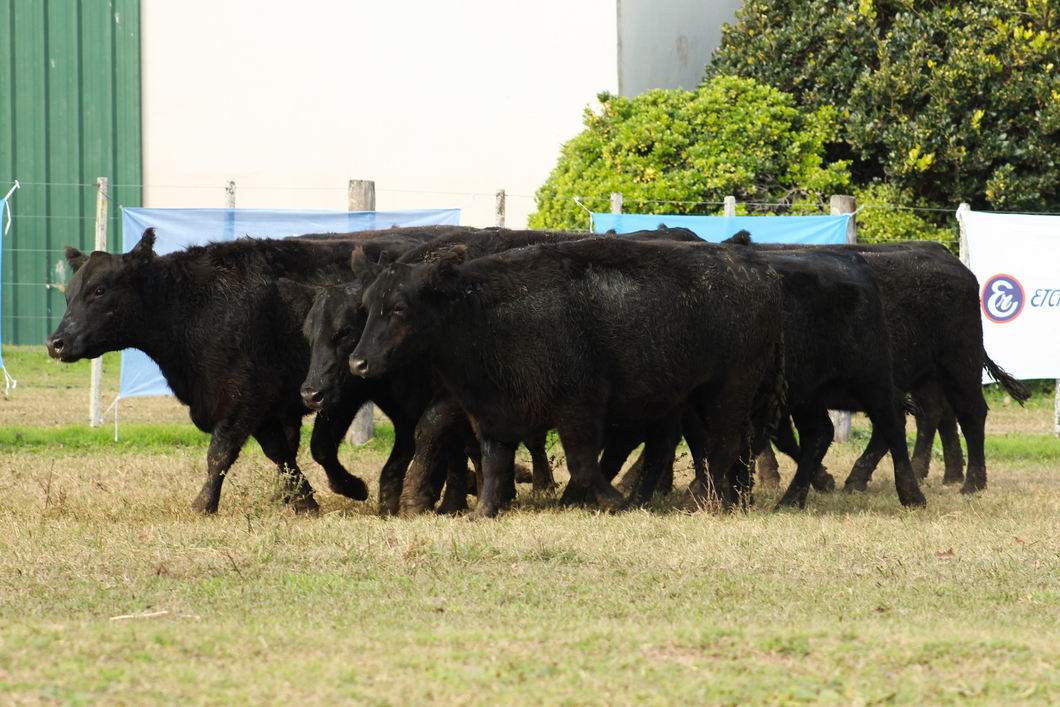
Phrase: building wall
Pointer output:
(69, 113)
(668, 45)
(433, 101)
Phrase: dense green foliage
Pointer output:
(732, 136)
(886, 217)
(946, 101)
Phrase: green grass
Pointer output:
(113, 592)
(141, 437)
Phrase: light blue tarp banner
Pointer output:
(176, 229)
(804, 230)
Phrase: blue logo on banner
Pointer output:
(1002, 299)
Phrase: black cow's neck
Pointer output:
(164, 333)
(461, 362)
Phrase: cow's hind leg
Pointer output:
(497, 458)
(279, 440)
(952, 453)
(660, 447)
(225, 445)
(454, 500)
(815, 436)
(929, 400)
(861, 472)
(884, 412)
(435, 425)
(767, 467)
(542, 470)
(970, 407)
(581, 444)
(725, 410)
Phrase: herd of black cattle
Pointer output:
(473, 341)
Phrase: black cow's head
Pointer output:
(333, 327)
(403, 305)
(104, 302)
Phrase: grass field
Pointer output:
(113, 592)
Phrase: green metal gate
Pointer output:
(69, 113)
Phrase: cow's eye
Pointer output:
(100, 291)
(344, 334)
(399, 310)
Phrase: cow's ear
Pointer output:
(75, 258)
(363, 268)
(445, 270)
(144, 251)
(739, 238)
(385, 258)
(297, 296)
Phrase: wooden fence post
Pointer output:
(616, 202)
(962, 233)
(500, 209)
(730, 206)
(95, 395)
(839, 205)
(230, 195)
(362, 198)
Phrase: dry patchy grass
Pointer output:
(113, 592)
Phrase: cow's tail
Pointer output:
(775, 386)
(1015, 388)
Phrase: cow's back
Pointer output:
(635, 324)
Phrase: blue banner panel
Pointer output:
(176, 229)
(804, 230)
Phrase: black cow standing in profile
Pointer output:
(334, 326)
(229, 345)
(931, 304)
(575, 336)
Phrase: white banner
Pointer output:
(1016, 257)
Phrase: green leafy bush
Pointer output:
(732, 136)
(946, 101)
(885, 217)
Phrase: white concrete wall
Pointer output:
(667, 45)
(433, 101)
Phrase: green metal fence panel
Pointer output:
(69, 113)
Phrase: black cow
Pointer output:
(420, 233)
(576, 335)
(333, 327)
(230, 346)
(435, 428)
(931, 302)
(837, 356)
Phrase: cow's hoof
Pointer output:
(204, 505)
(523, 475)
(574, 495)
(973, 486)
(482, 512)
(349, 486)
(794, 498)
(855, 486)
(410, 509)
(768, 480)
(823, 481)
(951, 479)
(305, 505)
(697, 502)
(610, 499)
(701, 496)
(913, 499)
(452, 508)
